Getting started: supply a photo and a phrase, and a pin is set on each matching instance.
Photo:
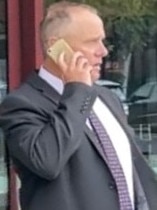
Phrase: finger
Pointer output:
(82, 63)
(74, 61)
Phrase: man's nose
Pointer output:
(103, 51)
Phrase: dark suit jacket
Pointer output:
(60, 165)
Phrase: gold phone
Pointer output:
(57, 48)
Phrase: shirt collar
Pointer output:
(52, 80)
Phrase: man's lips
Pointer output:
(97, 66)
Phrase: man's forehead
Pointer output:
(86, 27)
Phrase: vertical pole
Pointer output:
(14, 43)
(14, 77)
(31, 15)
(24, 55)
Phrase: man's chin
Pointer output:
(95, 75)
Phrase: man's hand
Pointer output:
(77, 70)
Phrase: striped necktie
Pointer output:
(112, 161)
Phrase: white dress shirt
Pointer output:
(112, 126)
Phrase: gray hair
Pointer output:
(57, 17)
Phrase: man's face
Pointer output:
(86, 34)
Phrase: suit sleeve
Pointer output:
(45, 143)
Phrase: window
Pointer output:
(132, 68)
(3, 88)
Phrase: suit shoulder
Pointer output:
(106, 92)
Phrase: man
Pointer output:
(55, 146)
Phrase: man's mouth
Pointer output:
(97, 67)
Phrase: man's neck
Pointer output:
(52, 68)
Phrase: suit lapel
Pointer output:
(91, 136)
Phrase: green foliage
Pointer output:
(131, 33)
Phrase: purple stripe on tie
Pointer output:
(113, 162)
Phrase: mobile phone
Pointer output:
(57, 48)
